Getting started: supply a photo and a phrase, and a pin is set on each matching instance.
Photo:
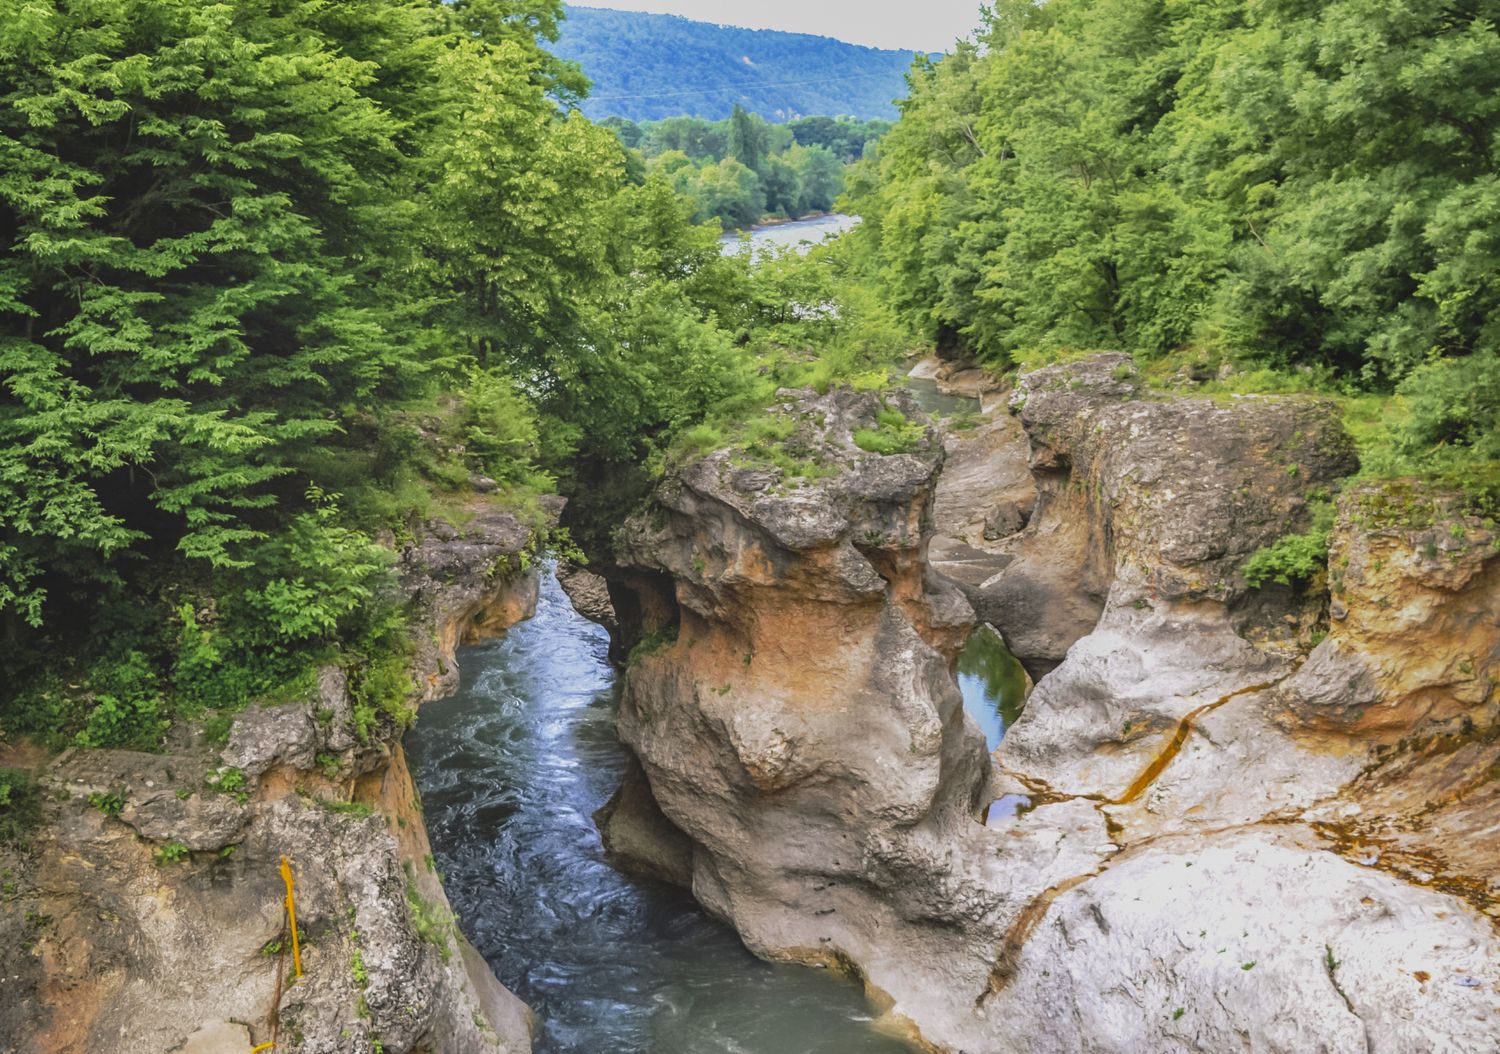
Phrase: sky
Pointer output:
(908, 25)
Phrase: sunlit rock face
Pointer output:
(1188, 874)
(1193, 720)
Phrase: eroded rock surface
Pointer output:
(1228, 844)
(799, 722)
(1195, 721)
(589, 593)
(148, 916)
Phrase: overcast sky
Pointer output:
(913, 25)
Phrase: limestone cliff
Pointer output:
(1227, 842)
(148, 916)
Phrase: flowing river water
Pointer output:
(511, 770)
(799, 234)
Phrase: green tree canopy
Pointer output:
(1290, 184)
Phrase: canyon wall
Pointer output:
(148, 916)
(1249, 817)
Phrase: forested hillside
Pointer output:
(1303, 193)
(646, 67)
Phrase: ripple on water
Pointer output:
(511, 770)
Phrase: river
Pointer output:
(801, 234)
(511, 769)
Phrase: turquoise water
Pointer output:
(937, 403)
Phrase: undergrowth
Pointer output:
(1294, 559)
(893, 434)
(20, 806)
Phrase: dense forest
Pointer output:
(745, 169)
(286, 279)
(647, 67)
(1304, 192)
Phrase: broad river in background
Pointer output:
(801, 234)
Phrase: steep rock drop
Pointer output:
(1200, 868)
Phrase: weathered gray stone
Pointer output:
(218, 1037)
(154, 903)
(639, 838)
(262, 737)
(1186, 875)
(589, 593)
(1005, 519)
(1249, 942)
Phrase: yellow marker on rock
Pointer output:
(291, 914)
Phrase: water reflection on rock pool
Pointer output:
(993, 683)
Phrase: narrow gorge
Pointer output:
(1225, 815)
(1034, 591)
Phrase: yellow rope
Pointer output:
(291, 913)
(289, 921)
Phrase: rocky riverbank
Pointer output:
(147, 915)
(1254, 815)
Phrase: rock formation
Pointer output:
(1226, 841)
(148, 917)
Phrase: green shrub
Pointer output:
(893, 434)
(358, 809)
(431, 922)
(357, 968)
(109, 804)
(1294, 559)
(381, 689)
(231, 781)
(122, 704)
(172, 852)
(500, 429)
(652, 643)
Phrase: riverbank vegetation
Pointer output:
(282, 280)
(745, 170)
(1270, 195)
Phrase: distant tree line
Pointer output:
(745, 169)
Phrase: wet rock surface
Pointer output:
(1257, 816)
(149, 909)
